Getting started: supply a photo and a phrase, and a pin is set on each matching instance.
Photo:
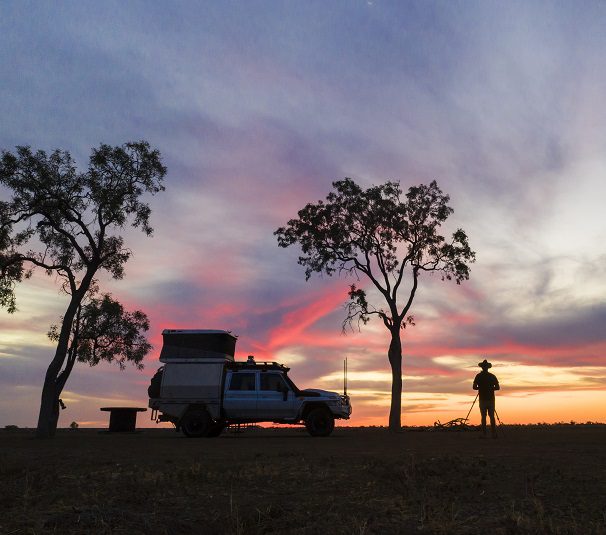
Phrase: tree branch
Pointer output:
(55, 226)
(415, 276)
(369, 273)
(382, 268)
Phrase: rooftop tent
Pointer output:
(197, 344)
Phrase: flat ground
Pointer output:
(531, 480)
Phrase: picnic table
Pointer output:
(122, 419)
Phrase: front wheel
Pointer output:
(320, 422)
(196, 424)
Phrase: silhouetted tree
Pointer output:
(65, 222)
(386, 238)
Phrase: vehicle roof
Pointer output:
(198, 331)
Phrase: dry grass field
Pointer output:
(533, 479)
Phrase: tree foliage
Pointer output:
(70, 214)
(377, 233)
(103, 331)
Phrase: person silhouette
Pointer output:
(486, 383)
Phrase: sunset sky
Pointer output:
(257, 107)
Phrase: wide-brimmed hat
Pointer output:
(484, 364)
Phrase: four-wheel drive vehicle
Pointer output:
(201, 389)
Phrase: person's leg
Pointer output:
(483, 411)
(493, 427)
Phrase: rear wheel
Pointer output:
(196, 423)
(320, 422)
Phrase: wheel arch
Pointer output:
(310, 406)
(191, 407)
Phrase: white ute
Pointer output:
(201, 389)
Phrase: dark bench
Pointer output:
(122, 419)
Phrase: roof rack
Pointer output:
(256, 365)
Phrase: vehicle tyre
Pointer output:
(319, 422)
(215, 430)
(196, 423)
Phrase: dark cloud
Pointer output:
(565, 328)
(60, 91)
(23, 365)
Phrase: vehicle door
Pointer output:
(276, 399)
(240, 399)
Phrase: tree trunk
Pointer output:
(49, 408)
(395, 360)
(49, 401)
(48, 416)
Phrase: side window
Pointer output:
(273, 382)
(242, 381)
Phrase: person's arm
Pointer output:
(475, 383)
(496, 384)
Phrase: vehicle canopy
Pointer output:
(197, 345)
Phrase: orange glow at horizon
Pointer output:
(539, 383)
(521, 408)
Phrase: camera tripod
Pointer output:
(501, 425)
